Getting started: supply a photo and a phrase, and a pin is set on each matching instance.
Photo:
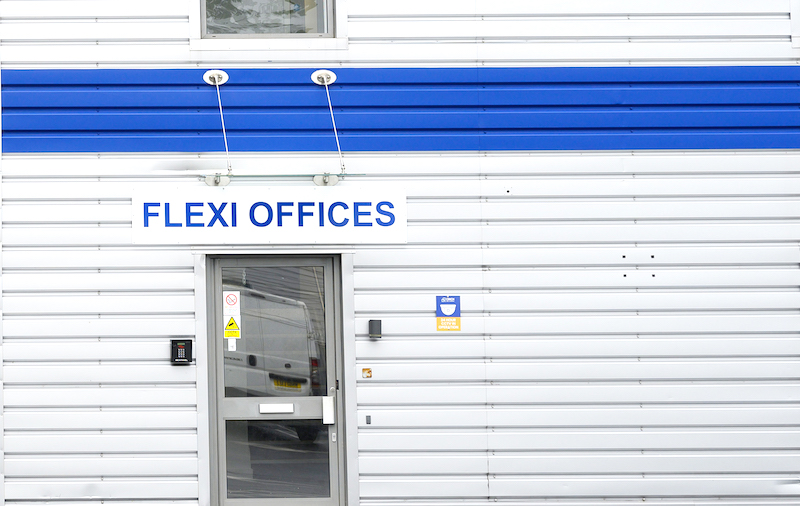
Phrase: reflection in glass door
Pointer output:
(276, 380)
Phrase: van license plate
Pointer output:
(281, 383)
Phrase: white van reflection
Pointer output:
(278, 354)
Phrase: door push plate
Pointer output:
(275, 409)
(328, 404)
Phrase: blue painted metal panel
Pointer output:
(404, 110)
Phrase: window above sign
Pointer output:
(266, 18)
(273, 25)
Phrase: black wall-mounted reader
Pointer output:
(181, 352)
(375, 329)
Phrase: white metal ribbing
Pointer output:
(614, 32)
(576, 368)
(592, 348)
(101, 408)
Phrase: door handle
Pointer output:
(273, 409)
(329, 410)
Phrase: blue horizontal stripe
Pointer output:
(397, 96)
(391, 120)
(404, 109)
(426, 141)
(371, 76)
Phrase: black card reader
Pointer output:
(181, 352)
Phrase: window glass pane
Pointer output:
(277, 459)
(282, 349)
(264, 17)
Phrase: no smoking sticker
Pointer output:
(231, 303)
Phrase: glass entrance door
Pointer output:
(276, 381)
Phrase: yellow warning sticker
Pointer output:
(232, 330)
(448, 323)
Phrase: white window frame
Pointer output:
(794, 15)
(266, 43)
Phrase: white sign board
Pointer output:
(231, 303)
(269, 215)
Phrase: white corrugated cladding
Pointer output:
(630, 328)
(93, 409)
(88, 33)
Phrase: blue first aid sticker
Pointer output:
(448, 312)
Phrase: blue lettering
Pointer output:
(357, 213)
(233, 214)
(148, 214)
(321, 214)
(253, 214)
(282, 213)
(385, 213)
(302, 213)
(330, 214)
(190, 214)
(217, 214)
(166, 218)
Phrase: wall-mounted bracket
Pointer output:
(218, 180)
(215, 77)
(323, 77)
(326, 179)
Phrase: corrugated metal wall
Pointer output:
(629, 330)
(630, 319)
(93, 409)
(151, 33)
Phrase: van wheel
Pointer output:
(307, 434)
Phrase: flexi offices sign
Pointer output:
(268, 215)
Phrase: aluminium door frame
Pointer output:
(208, 320)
